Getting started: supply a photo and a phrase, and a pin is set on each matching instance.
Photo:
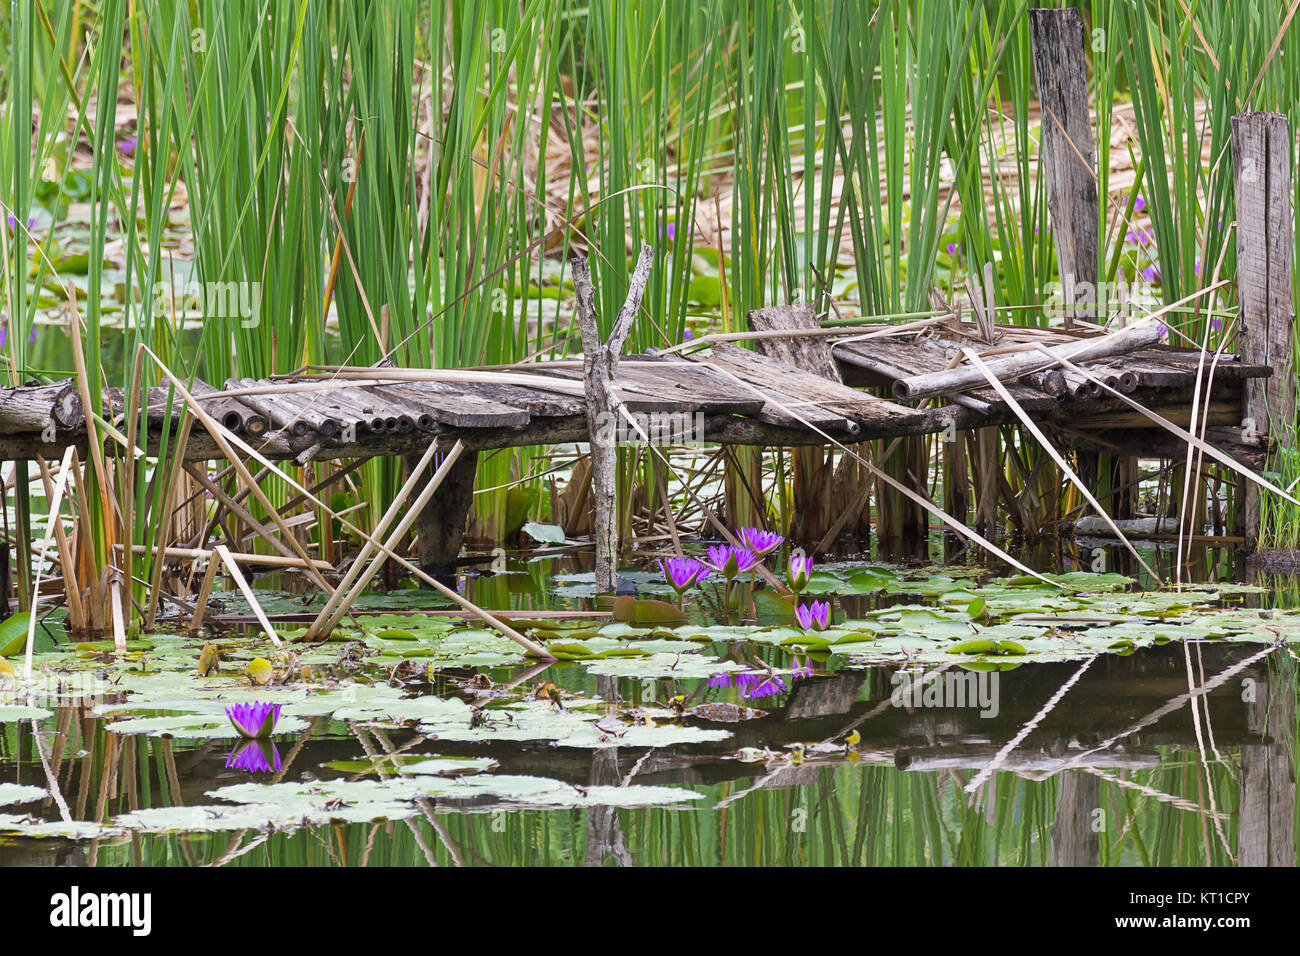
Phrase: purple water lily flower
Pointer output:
(255, 756)
(1216, 324)
(1139, 236)
(816, 615)
(254, 720)
(800, 572)
(681, 573)
(954, 250)
(1150, 273)
(759, 541)
(1163, 332)
(1139, 204)
(126, 145)
(729, 560)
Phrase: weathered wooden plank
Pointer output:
(1069, 157)
(232, 413)
(1006, 367)
(819, 399)
(33, 408)
(451, 405)
(678, 386)
(808, 353)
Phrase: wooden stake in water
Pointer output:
(1265, 238)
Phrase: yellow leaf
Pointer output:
(208, 660)
(259, 670)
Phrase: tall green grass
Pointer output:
(867, 124)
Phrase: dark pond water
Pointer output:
(1054, 763)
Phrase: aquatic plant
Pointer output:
(729, 561)
(800, 572)
(254, 720)
(761, 542)
(814, 615)
(683, 574)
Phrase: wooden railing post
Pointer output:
(1265, 239)
(1069, 156)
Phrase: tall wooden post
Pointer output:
(1069, 156)
(1265, 238)
(599, 362)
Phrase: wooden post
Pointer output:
(1265, 238)
(599, 362)
(812, 464)
(1069, 156)
(440, 526)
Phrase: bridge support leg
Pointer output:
(1265, 238)
(440, 527)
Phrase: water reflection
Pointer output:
(1081, 763)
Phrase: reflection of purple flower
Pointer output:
(750, 685)
(813, 615)
(255, 756)
(754, 686)
(759, 541)
(730, 560)
(800, 571)
(254, 719)
(681, 573)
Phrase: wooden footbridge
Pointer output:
(803, 389)
(802, 385)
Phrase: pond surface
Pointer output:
(949, 715)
